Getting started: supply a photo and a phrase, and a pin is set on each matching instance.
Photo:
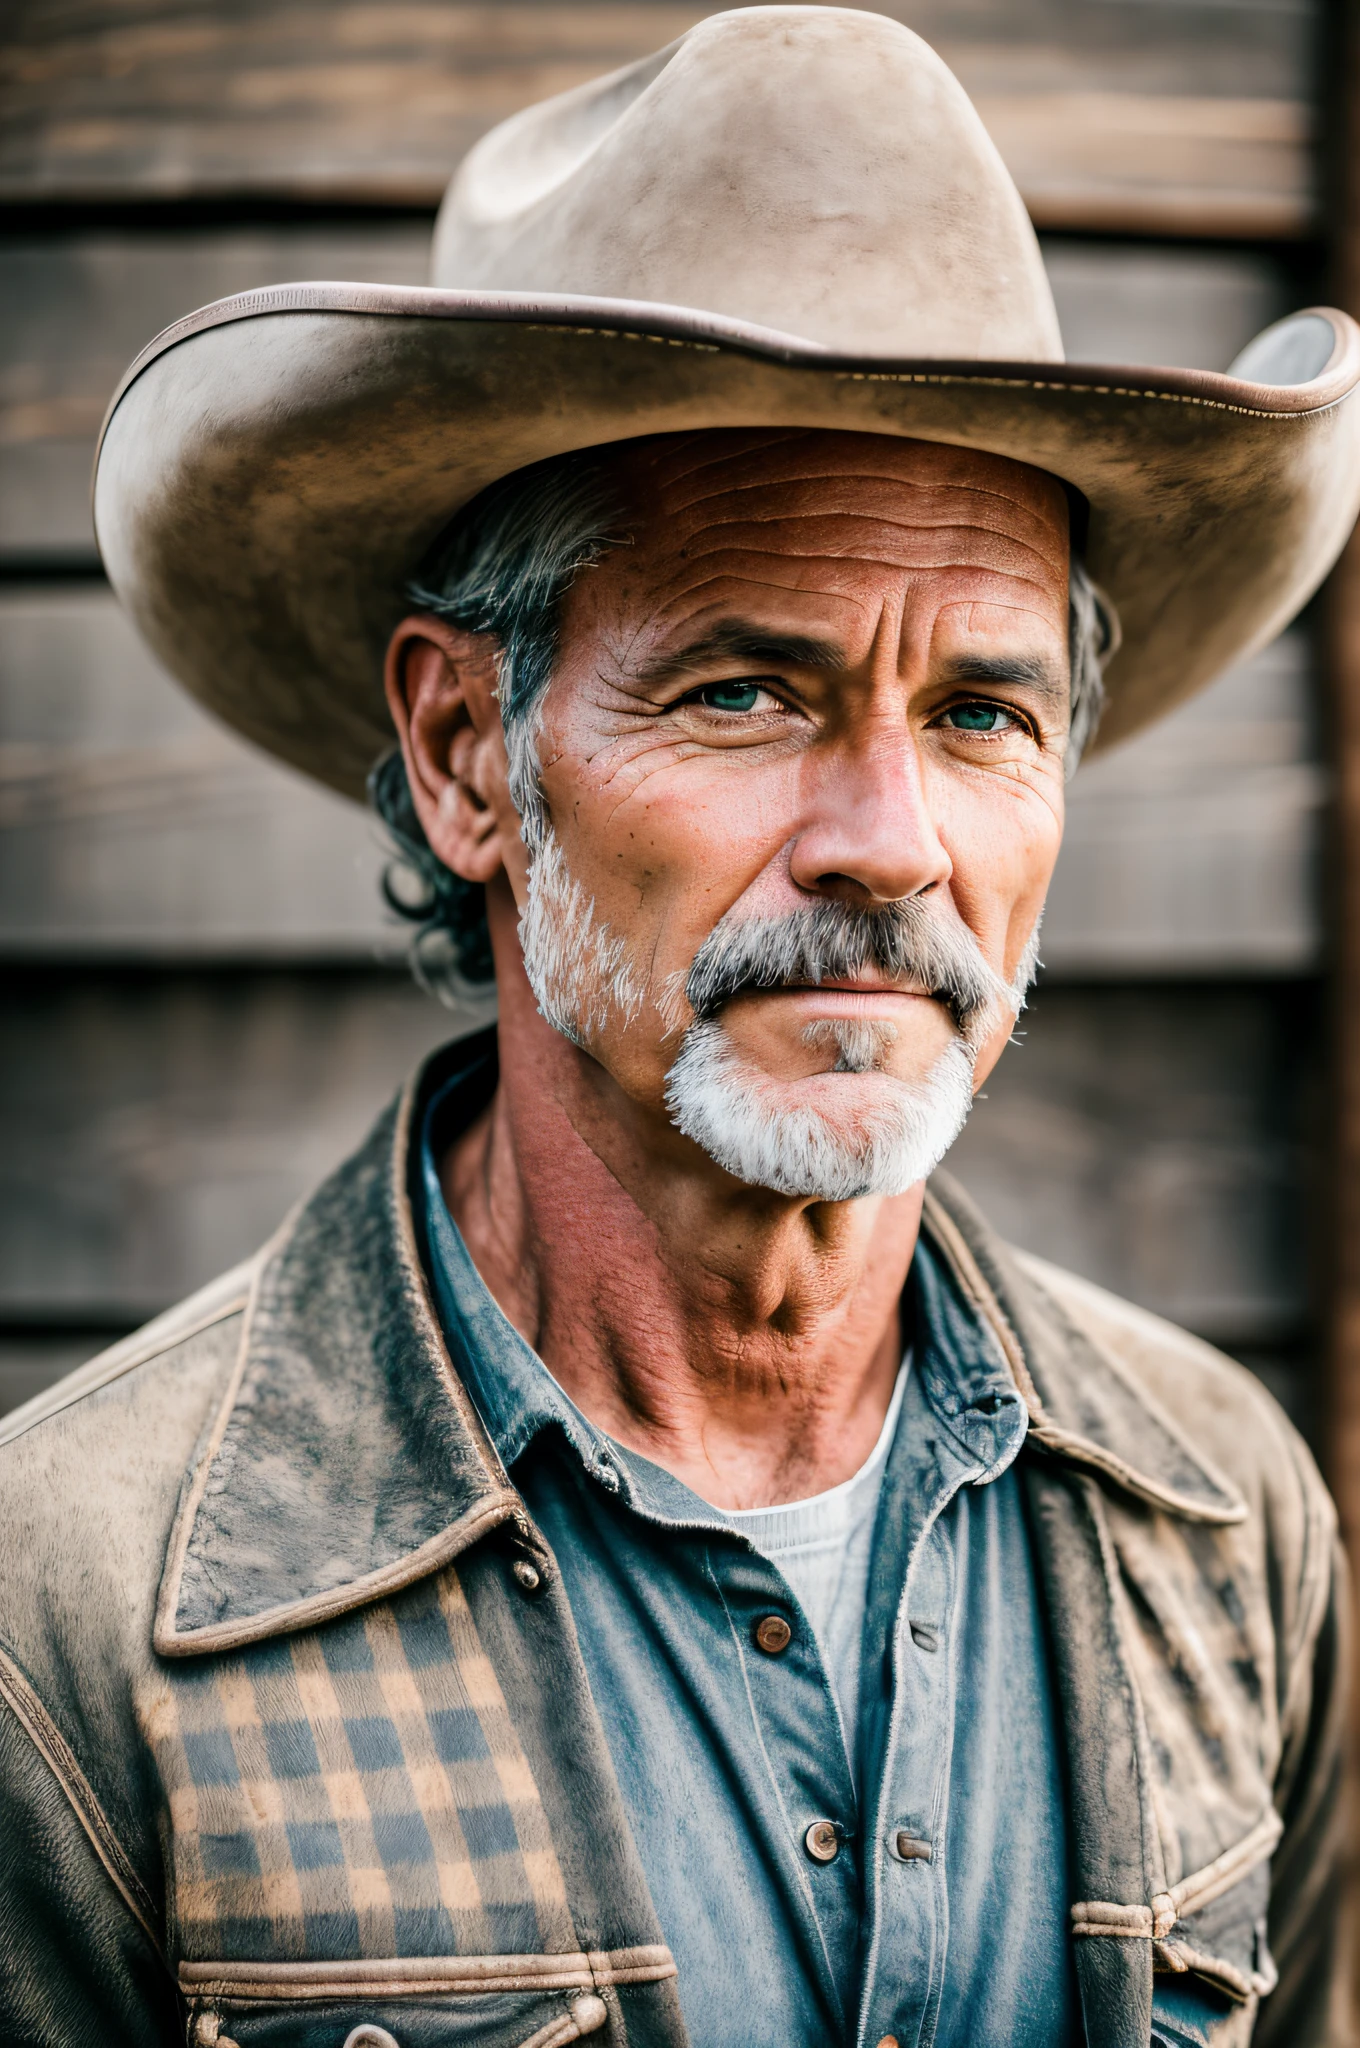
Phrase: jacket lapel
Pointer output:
(346, 1459)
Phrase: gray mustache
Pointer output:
(905, 942)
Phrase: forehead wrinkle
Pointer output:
(752, 552)
(703, 537)
(761, 439)
(717, 536)
(933, 486)
(759, 583)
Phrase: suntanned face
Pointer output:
(828, 666)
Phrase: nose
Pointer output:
(867, 834)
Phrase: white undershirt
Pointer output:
(824, 1546)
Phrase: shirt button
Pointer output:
(823, 1841)
(369, 2036)
(908, 1848)
(527, 1576)
(888, 2041)
(773, 1634)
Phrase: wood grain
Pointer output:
(1158, 1140)
(76, 308)
(132, 825)
(157, 1129)
(1339, 1260)
(1194, 849)
(1191, 119)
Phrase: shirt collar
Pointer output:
(347, 1457)
(966, 1378)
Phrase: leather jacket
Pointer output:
(296, 1738)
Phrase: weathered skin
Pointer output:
(743, 1339)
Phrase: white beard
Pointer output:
(577, 968)
(745, 1121)
(846, 1138)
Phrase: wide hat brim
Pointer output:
(273, 469)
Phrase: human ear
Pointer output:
(441, 691)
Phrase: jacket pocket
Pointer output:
(1212, 1924)
(534, 2001)
(1218, 1919)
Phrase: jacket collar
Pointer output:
(346, 1459)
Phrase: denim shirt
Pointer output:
(936, 1910)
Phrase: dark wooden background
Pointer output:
(204, 1002)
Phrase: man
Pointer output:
(627, 1558)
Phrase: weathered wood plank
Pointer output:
(1158, 1141)
(1159, 304)
(1194, 849)
(131, 826)
(1339, 1251)
(154, 1128)
(1127, 117)
(75, 309)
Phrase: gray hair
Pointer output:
(503, 567)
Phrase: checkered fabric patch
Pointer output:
(355, 1791)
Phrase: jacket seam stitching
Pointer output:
(56, 1752)
(580, 1970)
(171, 1341)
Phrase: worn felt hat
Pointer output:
(792, 216)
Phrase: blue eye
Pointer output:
(730, 696)
(975, 717)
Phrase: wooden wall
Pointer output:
(204, 1002)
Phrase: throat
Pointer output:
(750, 1347)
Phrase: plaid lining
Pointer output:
(355, 1791)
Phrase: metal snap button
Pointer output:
(909, 1848)
(823, 1841)
(772, 1634)
(527, 1576)
(589, 2013)
(367, 2035)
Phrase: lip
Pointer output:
(855, 985)
(846, 998)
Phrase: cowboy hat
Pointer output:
(792, 216)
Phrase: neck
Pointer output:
(746, 1342)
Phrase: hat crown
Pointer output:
(813, 170)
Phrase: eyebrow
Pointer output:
(743, 640)
(1030, 669)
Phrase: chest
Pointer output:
(360, 1832)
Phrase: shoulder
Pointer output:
(1220, 1409)
(164, 1340)
(91, 1471)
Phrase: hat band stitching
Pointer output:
(1250, 412)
